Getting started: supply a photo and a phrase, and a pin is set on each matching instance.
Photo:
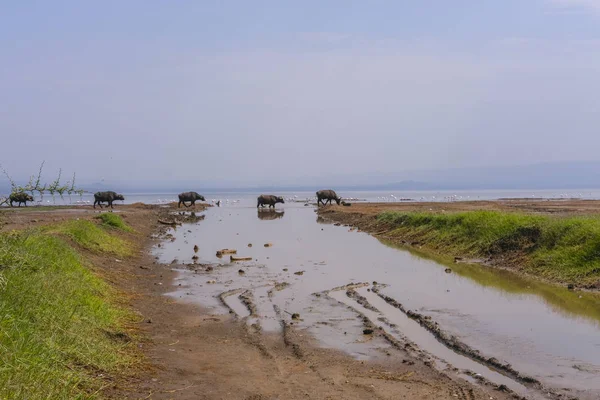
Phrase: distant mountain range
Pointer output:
(557, 175)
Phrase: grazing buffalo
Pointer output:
(325, 196)
(191, 197)
(19, 197)
(108, 197)
(269, 199)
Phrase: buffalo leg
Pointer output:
(179, 205)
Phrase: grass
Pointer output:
(61, 332)
(562, 249)
(93, 237)
(115, 221)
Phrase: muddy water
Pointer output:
(550, 334)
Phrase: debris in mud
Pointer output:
(172, 223)
(234, 258)
(368, 331)
(249, 244)
(285, 269)
(277, 287)
(295, 316)
(448, 270)
(195, 257)
(457, 259)
(211, 282)
(268, 244)
(196, 248)
(299, 273)
(220, 253)
(241, 272)
(570, 286)
(174, 261)
(337, 224)
(502, 388)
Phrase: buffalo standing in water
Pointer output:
(191, 197)
(20, 197)
(108, 197)
(269, 199)
(327, 196)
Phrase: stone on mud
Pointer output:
(233, 258)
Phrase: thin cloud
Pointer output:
(573, 5)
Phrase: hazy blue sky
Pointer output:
(254, 92)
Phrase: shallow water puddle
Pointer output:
(545, 332)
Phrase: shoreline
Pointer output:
(365, 217)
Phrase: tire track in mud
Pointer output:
(455, 344)
(252, 330)
(406, 345)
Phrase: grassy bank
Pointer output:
(61, 334)
(561, 249)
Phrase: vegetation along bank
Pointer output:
(65, 333)
(561, 247)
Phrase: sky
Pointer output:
(224, 93)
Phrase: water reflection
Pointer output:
(270, 214)
(561, 300)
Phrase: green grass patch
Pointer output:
(60, 330)
(564, 249)
(93, 237)
(115, 221)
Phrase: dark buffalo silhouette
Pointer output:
(325, 197)
(268, 199)
(19, 197)
(108, 197)
(191, 197)
(270, 214)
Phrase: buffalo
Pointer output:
(20, 197)
(191, 197)
(325, 197)
(268, 199)
(108, 197)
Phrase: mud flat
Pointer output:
(495, 329)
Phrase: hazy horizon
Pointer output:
(254, 94)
